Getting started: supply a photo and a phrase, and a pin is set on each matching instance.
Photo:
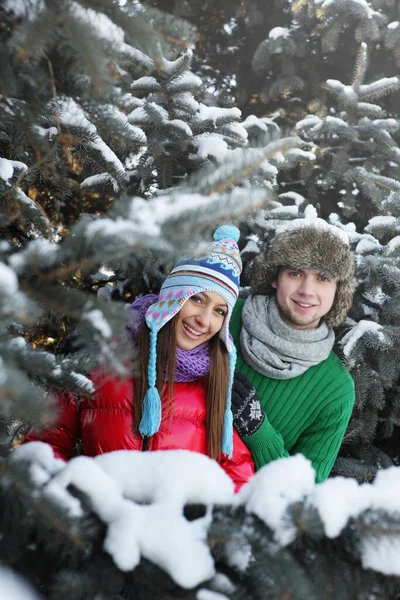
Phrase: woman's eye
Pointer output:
(221, 312)
(196, 299)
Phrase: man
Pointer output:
(291, 392)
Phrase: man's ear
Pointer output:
(274, 284)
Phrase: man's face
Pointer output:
(304, 296)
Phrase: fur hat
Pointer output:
(217, 270)
(309, 244)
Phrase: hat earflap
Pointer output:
(151, 418)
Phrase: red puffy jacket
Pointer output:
(106, 423)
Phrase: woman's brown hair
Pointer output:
(217, 381)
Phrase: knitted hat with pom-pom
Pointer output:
(217, 270)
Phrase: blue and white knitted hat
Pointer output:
(218, 270)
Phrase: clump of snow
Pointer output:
(104, 27)
(350, 339)
(100, 179)
(140, 497)
(312, 220)
(8, 280)
(297, 198)
(213, 113)
(381, 222)
(43, 465)
(367, 244)
(13, 587)
(211, 144)
(26, 10)
(167, 475)
(98, 322)
(251, 246)
(269, 494)
(337, 500)
(393, 244)
(115, 481)
(204, 594)
(393, 25)
(311, 122)
(85, 384)
(279, 32)
(70, 113)
(6, 169)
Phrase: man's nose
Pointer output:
(307, 286)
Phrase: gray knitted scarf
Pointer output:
(275, 349)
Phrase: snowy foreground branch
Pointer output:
(141, 498)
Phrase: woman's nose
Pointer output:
(204, 317)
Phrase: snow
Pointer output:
(279, 32)
(382, 221)
(158, 531)
(349, 340)
(298, 154)
(393, 25)
(179, 124)
(269, 494)
(312, 220)
(367, 244)
(211, 144)
(360, 4)
(100, 179)
(310, 121)
(98, 144)
(286, 210)
(98, 322)
(8, 281)
(297, 198)
(394, 244)
(335, 121)
(213, 113)
(23, 9)
(20, 166)
(13, 587)
(204, 594)
(86, 385)
(104, 27)
(70, 113)
(121, 228)
(144, 512)
(186, 80)
(251, 246)
(45, 133)
(6, 169)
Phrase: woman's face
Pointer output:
(199, 319)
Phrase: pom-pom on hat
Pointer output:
(217, 270)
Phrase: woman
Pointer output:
(180, 398)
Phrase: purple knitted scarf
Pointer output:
(190, 364)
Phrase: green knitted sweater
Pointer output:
(307, 414)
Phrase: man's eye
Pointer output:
(323, 278)
(294, 274)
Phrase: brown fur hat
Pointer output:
(309, 247)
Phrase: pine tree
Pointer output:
(111, 166)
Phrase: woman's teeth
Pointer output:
(191, 330)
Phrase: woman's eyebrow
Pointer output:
(208, 298)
